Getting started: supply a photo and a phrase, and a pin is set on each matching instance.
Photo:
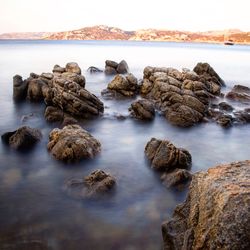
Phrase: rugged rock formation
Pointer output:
(239, 93)
(124, 85)
(97, 184)
(22, 139)
(183, 96)
(215, 214)
(72, 143)
(164, 156)
(113, 68)
(64, 90)
(142, 110)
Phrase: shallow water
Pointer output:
(34, 210)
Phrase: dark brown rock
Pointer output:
(241, 89)
(225, 120)
(143, 110)
(53, 114)
(72, 143)
(238, 96)
(22, 139)
(122, 67)
(164, 156)
(58, 69)
(224, 106)
(72, 67)
(215, 214)
(35, 89)
(19, 88)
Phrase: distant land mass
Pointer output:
(102, 32)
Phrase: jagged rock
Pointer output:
(80, 79)
(143, 110)
(163, 155)
(215, 214)
(53, 114)
(97, 184)
(72, 143)
(122, 67)
(176, 178)
(36, 88)
(73, 67)
(58, 69)
(239, 93)
(225, 120)
(241, 89)
(125, 85)
(225, 107)
(22, 139)
(19, 88)
(208, 73)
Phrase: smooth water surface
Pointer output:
(34, 210)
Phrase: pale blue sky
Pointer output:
(59, 15)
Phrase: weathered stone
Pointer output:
(238, 96)
(143, 110)
(111, 64)
(22, 139)
(35, 89)
(241, 89)
(122, 67)
(225, 120)
(225, 107)
(72, 143)
(215, 214)
(73, 67)
(110, 71)
(19, 88)
(53, 114)
(93, 69)
(163, 155)
(58, 69)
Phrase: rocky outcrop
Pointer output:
(96, 184)
(72, 143)
(123, 85)
(183, 96)
(142, 110)
(164, 156)
(64, 90)
(215, 214)
(113, 68)
(23, 138)
(239, 93)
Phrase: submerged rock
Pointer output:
(143, 110)
(224, 106)
(19, 88)
(22, 139)
(72, 143)
(215, 214)
(164, 156)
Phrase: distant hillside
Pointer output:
(25, 35)
(102, 32)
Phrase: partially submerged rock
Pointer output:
(215, 214)
(164, 156)
(72, 143)
(19, 88)
(112, 67)
(23, 138)
(97, 184)
(142, 110)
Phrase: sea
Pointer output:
(37, 213)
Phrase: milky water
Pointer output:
(35, 213)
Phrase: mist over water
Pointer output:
(33, 206)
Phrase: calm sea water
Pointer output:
(34, 210)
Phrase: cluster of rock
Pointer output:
(184, 96)
(113, 68)
(172, 161)
(64, 89)
(92, 186)
(215, 214)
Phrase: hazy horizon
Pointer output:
(56, 16)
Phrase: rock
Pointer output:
(73, 67)
(163, 155)
(48, 76)
(176, 177)
(208, 73)
(241, 89)
(93, 69)
(239, 97)
(143, 110)
(72, 143)
(97, 184)
(19, 88)
(125, 85)
(242, 116)
(36, 89)
(79, 79)
(22, 139)
(122, 67)
(110, 71)
(225, 120)
(224, 106)
(215, 214)
(53, 114)
(111, 64)
(58, 69)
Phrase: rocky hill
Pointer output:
(102, 32)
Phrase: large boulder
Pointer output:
(215, 214)
(19, 88)
(23, 138)
(164, 156)
(239, 93)
(142, 110)
(72, 67)
(72, 143)
(113, 68)
(36, 89)
(124, 85)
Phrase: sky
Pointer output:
(62, 15)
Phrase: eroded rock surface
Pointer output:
(142, 110)
(215, 214)
(72, 143)
(112, 67)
